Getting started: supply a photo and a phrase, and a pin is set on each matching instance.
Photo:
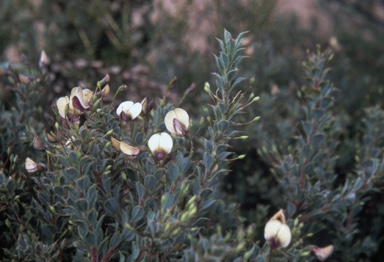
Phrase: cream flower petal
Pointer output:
(135, 110)
(62, 104)
(123, 106)
(166, 142)
(87, 94)
(115, 143)
(271, 229)
(83, 98)
(129, 109)
(30, 165)
(182, 121)
(322, 253)
(154, 143)
(160, 143)
(128, 149)
(284, 235)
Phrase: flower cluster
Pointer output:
(71, 107)
(160, 144)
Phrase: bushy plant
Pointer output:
(141, 180)
(115, 186)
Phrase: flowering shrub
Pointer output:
(140, 181)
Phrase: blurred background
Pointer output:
(146, 43)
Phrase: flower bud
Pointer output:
(44, 59)
(207, 87)
(277, 232)
(105, 91)
(38, 143)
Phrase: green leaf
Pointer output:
(70, 174)
(140, 190)
(317, 140)
(92, 196)
(172, 174)
(115, 240)
(82, 228)
(92, 217)
(91, 239)
(169, 201)
(149, 182)
(208, 161)
(73, 157)
(206, 193)
(82, 205)
(83, 183)
(307, 128)
(207, 203)
(208, 146)
(106, 180)
(137, 214)
(111, 206)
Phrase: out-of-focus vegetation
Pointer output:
(145, 44)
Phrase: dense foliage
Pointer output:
(282, 163)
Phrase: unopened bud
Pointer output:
(38, 143)
(144, 106)
(167, 227)
(105, 91)
(109, 132)
(175, 232)
(241, 157)
(193, 211)
(305, 254)
(191, 201)
(163, 199)
(255, 99)
(240, 247)
(191, 88)
(256, 119)
(24, 79)
(207, 87)
(184, 217)
(44, 59)
(172, 83)
(128, 226)
(51, 137)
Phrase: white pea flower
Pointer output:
(75, 104)
(31, 166)
(160, 145)
(129, 110)
(177, 121)
(277, 232)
